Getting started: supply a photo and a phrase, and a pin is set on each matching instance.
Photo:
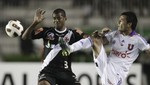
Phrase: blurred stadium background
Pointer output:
(87, 15)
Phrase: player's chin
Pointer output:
(58, 26)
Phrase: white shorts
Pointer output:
(106, 70)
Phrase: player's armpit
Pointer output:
(148, 51)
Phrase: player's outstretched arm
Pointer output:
(81, 44)
(38, 17)
(94, 41)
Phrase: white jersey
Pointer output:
(125, 49)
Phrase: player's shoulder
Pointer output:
(79, 32)
(113, 33)
(44, 29)
(48, 28)
(135, 34)
(139, 38)
(70, 28)
(74, 30)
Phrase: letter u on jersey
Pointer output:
(130, 46)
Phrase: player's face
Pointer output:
(59, 20)
(122, 24)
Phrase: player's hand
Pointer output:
(39, 15)
(65, 52)
(97, 41)
(96, 34)
(65, 47)
(105, 30)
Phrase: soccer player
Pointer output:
(56, 68)
(125, 46)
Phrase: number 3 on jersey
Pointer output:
(65, 64)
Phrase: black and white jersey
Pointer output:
(51, 38)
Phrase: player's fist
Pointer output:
(65, 52)
(105, 30)
(96, 34)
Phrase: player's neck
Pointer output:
(127, 32)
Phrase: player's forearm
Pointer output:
(27, 33)
(81, 44)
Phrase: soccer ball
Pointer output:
(14, 28)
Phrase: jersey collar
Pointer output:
(132, 33)
(61, 31)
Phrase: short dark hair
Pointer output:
(131, 18)
(59, 10)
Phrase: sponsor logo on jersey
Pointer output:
(121, 54)
(113, 42)
(50, 36)
(109, 82)
(66, 39)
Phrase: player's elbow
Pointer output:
(25, 37)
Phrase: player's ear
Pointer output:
(65, 18)
(129, 24)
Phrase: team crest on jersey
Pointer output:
(66, 39)
(50, 36)
(113, 41)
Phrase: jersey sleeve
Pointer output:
(38, 33)
(110, 36)
(81, 44)
(142, 44)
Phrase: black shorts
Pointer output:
(60, 78)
